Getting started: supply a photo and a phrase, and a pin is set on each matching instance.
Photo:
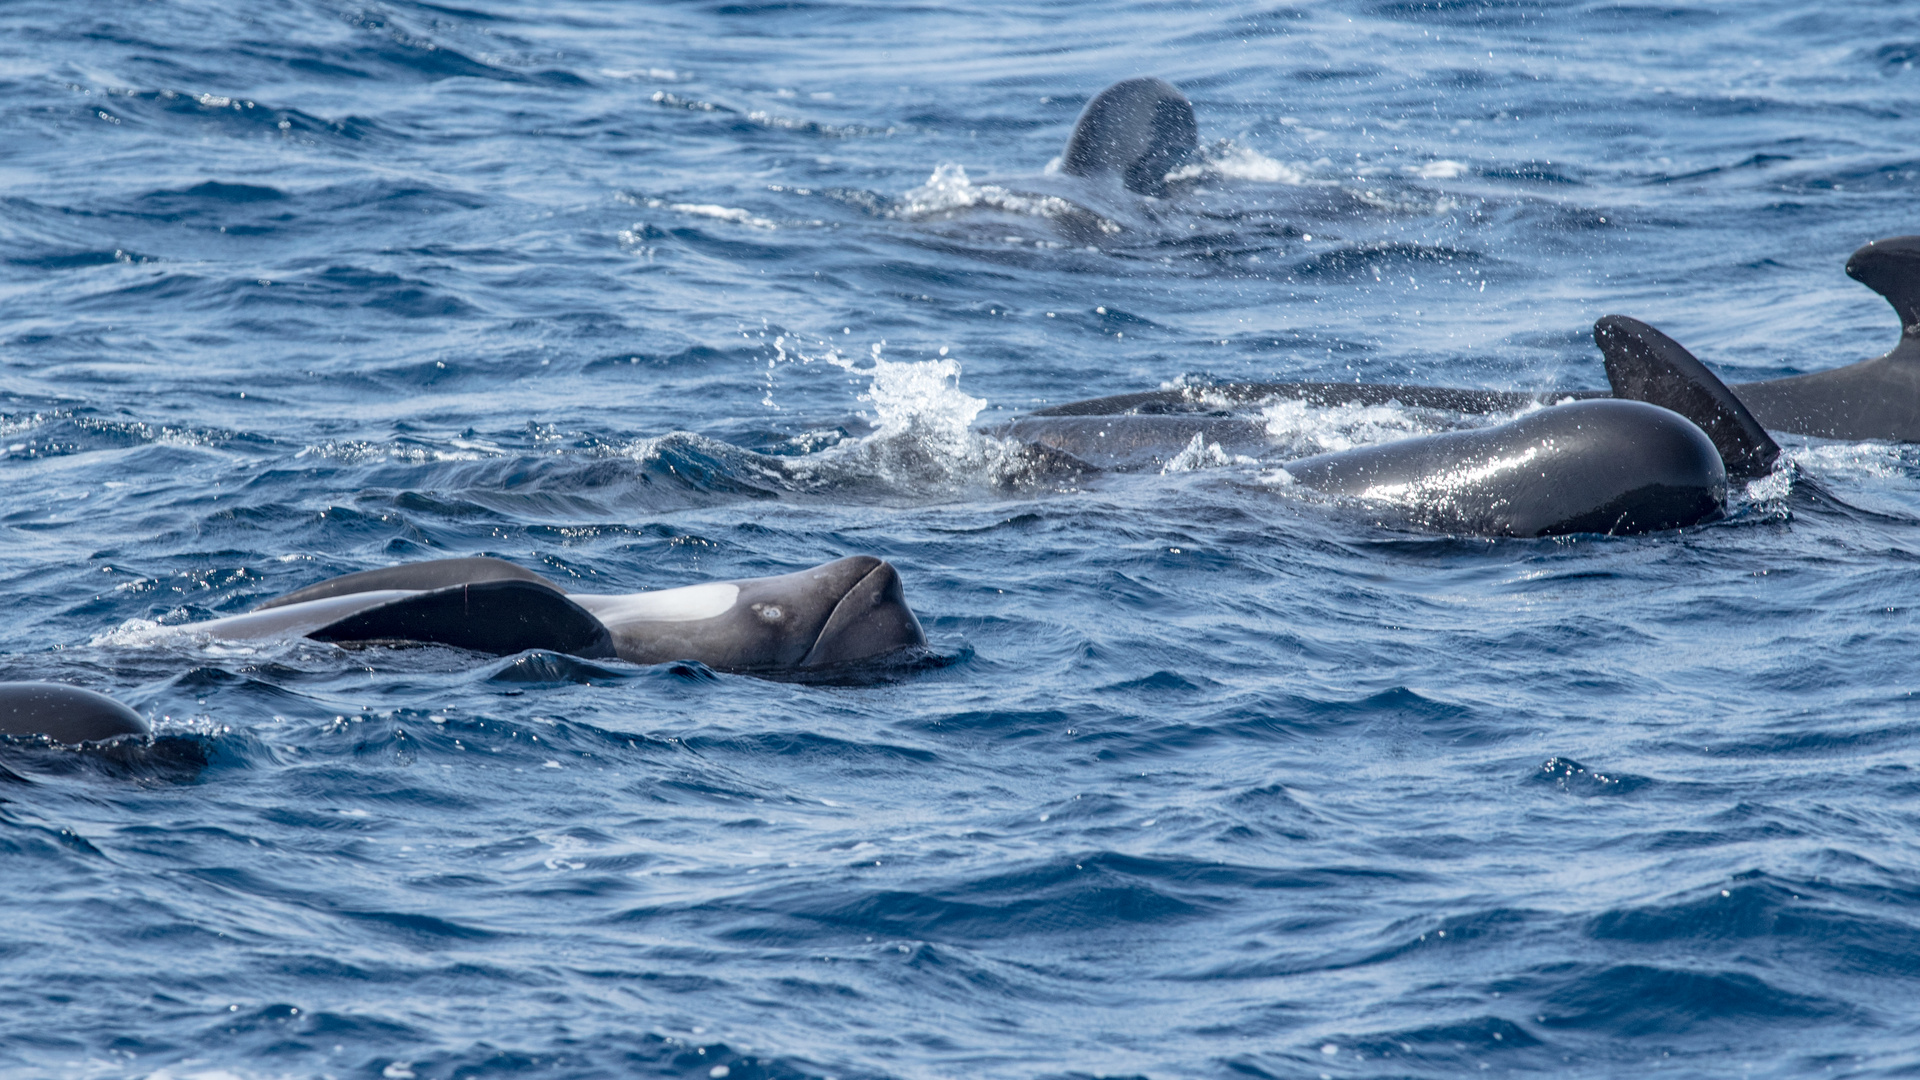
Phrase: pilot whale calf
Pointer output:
(840, 612)
(1601, 465)
(65, 714)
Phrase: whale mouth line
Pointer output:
(868, 597)
(828, 623)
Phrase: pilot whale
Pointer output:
(1872, 399)
(1138, 131)
(837, 613)
(1595, 466)
(1642, 364)
(65, 714)
(816, 620)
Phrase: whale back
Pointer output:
(500, 617)
(414, 577)
(1599, 466)
(1139, 129)
(1891, 268)
(65, 714)
(1644, 364)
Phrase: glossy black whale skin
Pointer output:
(1603, 466)
(1592, 466)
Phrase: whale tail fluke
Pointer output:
(1891, 267)
(1141, 129)
(1644, 364)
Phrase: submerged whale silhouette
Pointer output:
(821, 619)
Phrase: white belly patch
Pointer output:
(688, 604)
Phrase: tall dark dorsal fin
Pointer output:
(420, 576)
(1644, 364)
(498, 617)
(1891, 267)
(1141, 129)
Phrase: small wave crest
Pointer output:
(948, 191)
(1228, 161)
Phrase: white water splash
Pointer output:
(714, 210)
(1199, 454)
(1229, 162)
(921, 398)
(1320, 429)
(949, 191)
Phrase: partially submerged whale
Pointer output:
(1872, 399)
(1595, 466)
(65, 714)
(823, 619)
(842, 612)
(1138, 131)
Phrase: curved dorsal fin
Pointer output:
(1644, 364)
(1140, 129)
(1891, 267)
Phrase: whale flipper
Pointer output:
(498, 617)
(1139, 129)
(415, 577)
(1873, 399)
(65, 714)
(1644, 364)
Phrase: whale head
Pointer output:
(840, 612)
(1138, 130)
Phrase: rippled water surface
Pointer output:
(1207, 780)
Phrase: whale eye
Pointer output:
(769, 612)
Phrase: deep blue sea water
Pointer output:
(1208, 781)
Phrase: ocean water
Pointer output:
(1203, 778)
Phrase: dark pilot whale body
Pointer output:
(817, 620)
(1873, 399)
(1594, 466)
(841, 612)
(1138, 130)
(65, 714)
(1604, 466)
